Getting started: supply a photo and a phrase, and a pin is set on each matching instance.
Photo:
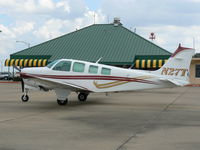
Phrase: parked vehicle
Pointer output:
(5, 76)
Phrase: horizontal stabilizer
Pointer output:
(176, 81)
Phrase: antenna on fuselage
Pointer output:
(131, 67)
(98, 60)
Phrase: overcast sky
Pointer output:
(36, 21)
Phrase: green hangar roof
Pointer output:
(113, 43)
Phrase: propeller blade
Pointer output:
(22, 83)
(18, 69)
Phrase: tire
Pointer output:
(24, 98)
(62, 102)
(82, 97)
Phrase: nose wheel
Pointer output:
(82, 97)
(25, 98)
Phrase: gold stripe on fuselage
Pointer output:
(116, 83)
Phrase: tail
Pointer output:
(176, 69)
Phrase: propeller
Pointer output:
(18, 69)
(22, 82)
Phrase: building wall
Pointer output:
(193, 79)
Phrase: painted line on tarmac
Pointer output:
(9, 82)
(193, 85)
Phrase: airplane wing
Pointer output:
(53, 84)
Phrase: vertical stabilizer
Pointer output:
(178, 65)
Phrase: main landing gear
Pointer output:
(62, 102)
(82, 97)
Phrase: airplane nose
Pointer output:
(26, 70)
(23, 72)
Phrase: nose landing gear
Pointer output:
(25, 97)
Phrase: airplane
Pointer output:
(68, 75)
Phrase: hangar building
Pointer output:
(114, 43)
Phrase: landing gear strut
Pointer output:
(82, 97)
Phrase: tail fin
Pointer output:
(178, 65)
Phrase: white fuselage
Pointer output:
(115, 79)
(67, 75)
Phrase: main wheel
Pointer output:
(62, 102)
(24, 98)
(82, 97)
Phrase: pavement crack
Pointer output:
(122, 145)
(150, 123)
(173, 102)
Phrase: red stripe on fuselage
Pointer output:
(24, 75)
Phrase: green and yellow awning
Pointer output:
(26, 62)
(149, 63)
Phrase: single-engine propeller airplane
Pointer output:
(66, 75)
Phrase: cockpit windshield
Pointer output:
(52, 63)
(62, 66)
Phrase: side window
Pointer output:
(105, 71)
(93, 69)
(63, 66)
(78, 67)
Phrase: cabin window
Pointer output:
(197, 70)
(93, 69)
(105, 71)
(63, 66)
(52, 63)
(78, 67)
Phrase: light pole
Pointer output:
(28, 44)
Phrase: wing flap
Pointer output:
(52, 84)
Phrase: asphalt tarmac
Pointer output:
(167, 119)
